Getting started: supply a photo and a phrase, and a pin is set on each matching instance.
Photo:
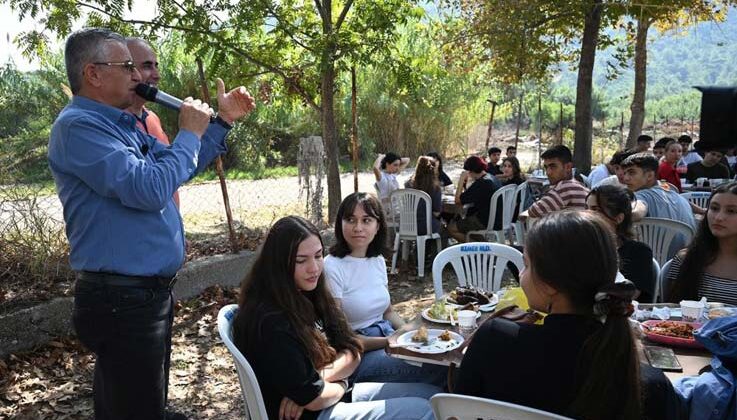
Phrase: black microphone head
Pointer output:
(146, 92)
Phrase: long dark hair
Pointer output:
(436, 156)
(372, 207)
(701, 252)
(271, 281)
(516, 170)
(607, 374)
(613, 200)
(425, 177)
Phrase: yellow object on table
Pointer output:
(516, 296)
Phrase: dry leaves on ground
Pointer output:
(55, 381)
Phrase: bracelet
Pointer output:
(222, 122)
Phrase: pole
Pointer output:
(491, 123)
(519, 116)
(539, 126)
(560, 124)
(354, 129)
(655, 130)
(622, 143)
(219, 165)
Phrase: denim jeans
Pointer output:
(129, 330)
(378, 366)
(384, 401)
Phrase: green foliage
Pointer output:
(30, 102)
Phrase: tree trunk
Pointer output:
(638, 99)
(582, 139)
(330, 138)
(327, 114)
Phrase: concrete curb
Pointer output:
(30, 327)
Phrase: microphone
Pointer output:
(153, 94)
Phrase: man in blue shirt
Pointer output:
(655, 199)
(125, 232)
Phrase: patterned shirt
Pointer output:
(566, 194)
(715, 289)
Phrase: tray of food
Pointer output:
(673, 333)
(429, 340)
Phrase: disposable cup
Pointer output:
(700, 182)
(467, 320)
(691, 310)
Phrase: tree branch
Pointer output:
(343, 14)
(319, 9)
(221, 44)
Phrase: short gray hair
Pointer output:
(83, 47)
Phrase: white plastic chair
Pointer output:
(659, 234)
(700, 198)
(252, 398)
(404, 203)
(657, 293)
(478, 264)
(507, 194)
(663, 282)
(520, 227)
(466, 407)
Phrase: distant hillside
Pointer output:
(702, 55)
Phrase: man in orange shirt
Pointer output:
(147, 121)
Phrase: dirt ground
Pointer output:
(55, 380)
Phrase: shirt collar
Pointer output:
(115, 115)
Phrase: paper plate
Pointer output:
(435, 345)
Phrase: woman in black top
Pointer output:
(442, 176)
(614, 202)
(511, 172)
(297, 340)
(582, 362)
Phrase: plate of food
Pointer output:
(673, 333)
(463, 295)
(429, 340)
(440, 312)
(720, 312)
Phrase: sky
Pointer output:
(12, 26)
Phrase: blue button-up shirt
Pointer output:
(116, 185)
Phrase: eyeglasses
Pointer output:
(128, 65)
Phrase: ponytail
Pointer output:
(608, 372)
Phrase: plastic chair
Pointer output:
(466, 407)
(386, 206)
(659, 235)
(700, 198)
(252, 398)
(656, 275)
(404, 203)
(479, 264)
(507, 194)
(520, 227)
(663, 281)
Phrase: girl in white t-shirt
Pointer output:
(356, 273)
(386, 168)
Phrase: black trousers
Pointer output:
(129, 330)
